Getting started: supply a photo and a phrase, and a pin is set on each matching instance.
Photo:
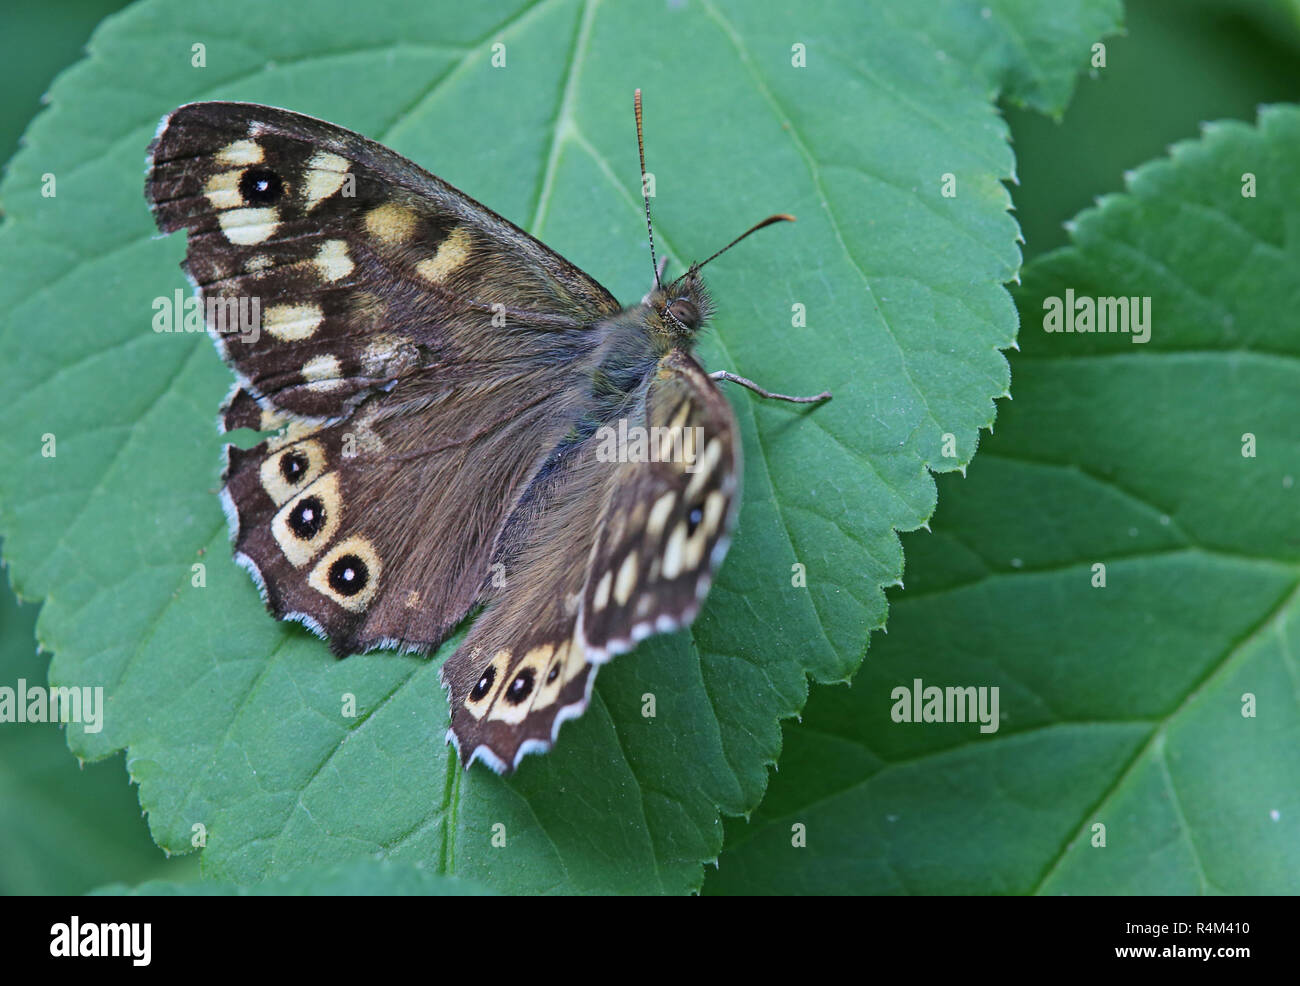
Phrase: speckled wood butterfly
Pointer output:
(459, 418)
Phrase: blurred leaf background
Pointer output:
(64, 829)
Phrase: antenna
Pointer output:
(640, 149)
(780, 217)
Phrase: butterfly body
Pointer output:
(450, 403)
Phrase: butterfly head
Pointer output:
(678, 309)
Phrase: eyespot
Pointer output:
(521, 687)
(484, 684)
(348, 575)
(258, 186)
(351, 572)
(693, 519)
(292, 466)
(307, 518)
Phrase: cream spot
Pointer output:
(270, 420)
(714, 504)
(672, 445)
(452, 252)
(291, 323)
(550, 689)
(412, 599)
(332, 260)
(322, 373)
(693, 552)
(325, 175)
(679, 417)
(601, 596)
(659, 514)
(704, 468)
(674, 551)
(241, 153)
(222, 190)
(691, 438)
(541, 653)
(576, 661)
(248, 226)
(296, 431)
(626, 580)
(257, 263)
(390, 223)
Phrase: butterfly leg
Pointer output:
(825, 395)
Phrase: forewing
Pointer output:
(363, 265)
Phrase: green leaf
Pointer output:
(77, 825)
(233, 721)
(1162, 706)
(1176, 65)
(355, 878)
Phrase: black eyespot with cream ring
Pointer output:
(307, 518)
(484, 684)
(293, 465)
(258, 186)
(553, 673)
(693, 519)
(521, 687)
(348, 575)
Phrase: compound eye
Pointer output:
(685, 312)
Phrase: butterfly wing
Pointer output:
(375, 266)
(374, 531)
(668, 520)
(423, 354)
(663, 525)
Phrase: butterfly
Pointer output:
(460, 419)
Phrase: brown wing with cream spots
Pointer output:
(329, 266)
(376, 533)
(617, 546)
(522, 670)
(667, 523)
(421, 356)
